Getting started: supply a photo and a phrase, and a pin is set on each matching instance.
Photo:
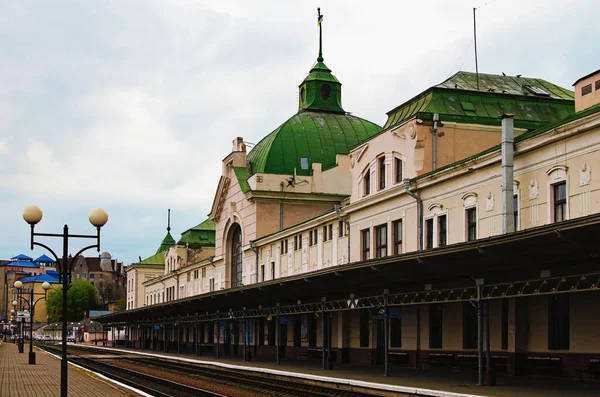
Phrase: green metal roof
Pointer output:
(156, 259)
(320, 90)
(309, 137)
(242, 175)
(202, 235)
(534, 102)
(167, 243)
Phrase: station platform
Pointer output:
(403, 380)
(18, 378)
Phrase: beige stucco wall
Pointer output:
(585, 101)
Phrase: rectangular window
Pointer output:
(398, 237)
(295, 243)
(330, 231)
(381, 241)
(324, 233)
(382, 173)
(504, 321)
(282, 249)
(395, 332)
(262, 272)
(558, 322)
(516, 211)
(471, 215)
(84, 275)
(560, 202)
(435, 326)
(310, 238)
(92, 275)
(469, 326)
(341, 227)
(203, 272)
(366, 244)
(300, 241)
(211, 284)
(189, 276)
(285, 243)
(398, 172)
(367, 183)
(586, 89)
(364, 328)
(442, 231)
(429, 233)
(597, 85)
(272, 270)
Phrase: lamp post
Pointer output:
(18, 326)
(98, 218)
(31, 304)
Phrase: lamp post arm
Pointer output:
(97, 245)
(44, 246)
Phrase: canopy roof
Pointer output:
(51, 276)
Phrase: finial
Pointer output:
(319, 20)
(169, 220)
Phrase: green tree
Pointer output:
(81, 297)
(120, 305)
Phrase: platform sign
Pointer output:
(284, 319)
(22, 314)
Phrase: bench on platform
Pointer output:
(544, 365)
(591, 370)
(443, 360)
(310, 354)
(398, 357)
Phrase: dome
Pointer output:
(105, 255)
(308, 137)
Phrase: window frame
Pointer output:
(442, 232)
(398, 165)
(381, 172)
(562, 203)
(469, 224)
(366, 180)
(381, 244)
(429, 232)
(397, 245)
(365, 244)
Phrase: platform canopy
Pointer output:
(506, 263)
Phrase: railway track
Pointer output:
(266, 384)
(152, 385)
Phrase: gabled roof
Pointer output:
(21, 257)
(534, 102)
(202, 235)
(51, 276)
(156, 259)
(44, 259)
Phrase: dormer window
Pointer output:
(325, 91)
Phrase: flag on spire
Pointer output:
(319, 17)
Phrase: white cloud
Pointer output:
(132, 105)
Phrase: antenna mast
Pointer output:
(475, 39)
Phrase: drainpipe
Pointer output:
(419, 213)
(508, 208)
(436, 119)
(337, 208)
(280, 211)
(253, 248)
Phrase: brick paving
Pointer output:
(19, 379)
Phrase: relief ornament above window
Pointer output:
(585, 174)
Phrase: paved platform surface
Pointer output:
(18, 378)
(446, 383)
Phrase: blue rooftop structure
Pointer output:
(51, 276)
(44, 259)
(21, 257)
(23, 264)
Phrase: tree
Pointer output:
(120, 305)
(105, 291)
(81, 297)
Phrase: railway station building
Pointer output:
(466, 227)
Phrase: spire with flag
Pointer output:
(319, 20)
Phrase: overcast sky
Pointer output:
(132, 105)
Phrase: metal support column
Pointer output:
(490, 379)
(152, 337)
(323, 330)
(479, 283)
(277, 336)
(218, 334)
(196, 337)
(386, 334)
(244, 332)
(178, 331)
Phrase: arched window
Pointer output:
(236, 255)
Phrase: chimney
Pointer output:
(587, 91)
(508, 208)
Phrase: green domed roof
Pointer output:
(167, 243)
(309, 137)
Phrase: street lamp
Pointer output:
(19, 326)
(31, 304)
(98, 218)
